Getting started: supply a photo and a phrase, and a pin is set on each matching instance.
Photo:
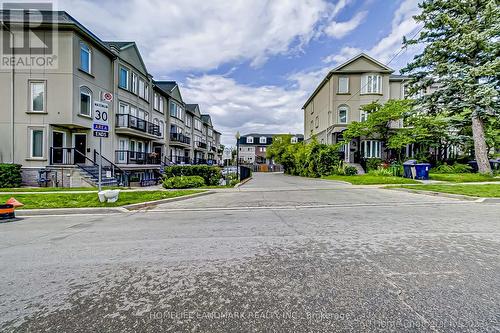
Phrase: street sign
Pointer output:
(107, 96)
(101, 134)
(100, 119)
(227, 154)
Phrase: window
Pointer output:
(141, 88)
(343, 85)
(316, 121)
(197, 124)
(162, 128)
(371, 84)
(294, 139)
(312, 125)
(124, 79)
(146, 92)
(37, 96)
(85, 101)
(210, 132)
(363, 115)
(156, 101)
(85, 57)
(372, 148)
(161, 105)
(262, 139)
(36, 150)
(249, 139)
(343, 110)
(134, 83)
(189, 121)
(175, 110)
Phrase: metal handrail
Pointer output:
(115, 169)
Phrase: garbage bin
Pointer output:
(422, 171)
(473, 165)
(407, 166)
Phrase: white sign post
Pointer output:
(100, 128)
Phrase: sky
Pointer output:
(251, 64)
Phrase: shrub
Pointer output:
(210, 174)
(381, 172)
(10, 175)
(184, 182)
(373, 164)
(455, 168)
(350, 170)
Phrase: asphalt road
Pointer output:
(282, 254)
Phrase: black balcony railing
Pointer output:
(199, 144)
(179, 137)
(180, 159)
(128, 121)
(213, 148)
(136, 157)
(199, 161)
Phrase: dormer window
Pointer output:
(249, 139)
(371, 84)
(263, 139)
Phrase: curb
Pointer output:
(104, 210)
(157, 202)
(448, 195)
(243, 182)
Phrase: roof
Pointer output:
(192, 108)
(271, 135)
(124, 45)
(119, 45)
(397, 77)
(49, 18)
(168, 86)
(206, 119)
(338, 70)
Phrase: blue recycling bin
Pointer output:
(407, 168)
(422, 171)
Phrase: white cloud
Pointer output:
(402, 25)
(345, 54)
(270, 109)
(199, 34)
(340, 29)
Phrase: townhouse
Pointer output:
(253, 147)
(338, 99)
(47, 111)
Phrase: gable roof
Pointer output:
(122, 46)
(192, 108)
(172, 89)
(338, 69)
(205, 118)
(367, 57)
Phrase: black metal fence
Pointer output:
(245, 172)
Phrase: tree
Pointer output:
(461, 62)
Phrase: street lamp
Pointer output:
(237, 136)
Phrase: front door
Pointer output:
(80, 148)
(57, 147)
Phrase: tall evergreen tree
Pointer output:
(461, 40)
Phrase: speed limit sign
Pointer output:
(100, 117)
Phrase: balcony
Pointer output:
(180, 159)
(136, 157)
(199, 161)
(213, 148)
(180, 138)
(200, 145)
(127, 124)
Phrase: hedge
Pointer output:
(210, 174)
(184, 182)
(10, 175)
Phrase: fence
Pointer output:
(245, 172)
(267, 168)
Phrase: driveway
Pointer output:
(320, 256)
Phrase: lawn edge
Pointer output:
(153, 203)
(444, 194)
(104, 210)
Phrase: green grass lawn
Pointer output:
(462, 177)
(55, 189)
(371, 179)
(484, 190)
(80, 200)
